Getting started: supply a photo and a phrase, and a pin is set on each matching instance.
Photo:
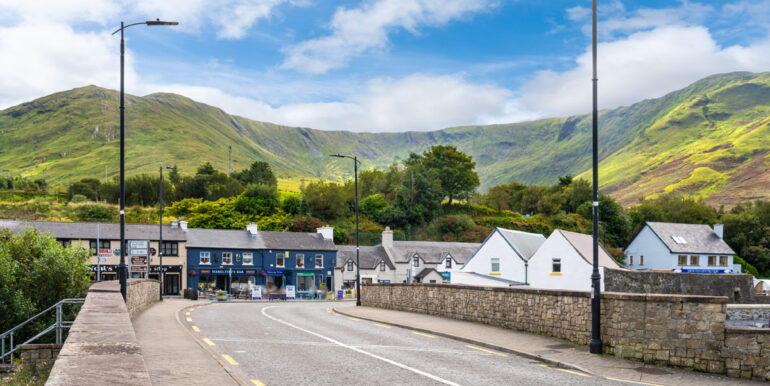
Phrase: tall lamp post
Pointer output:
(595, 346)
(122, 273)
(358, 261)
(160, 231)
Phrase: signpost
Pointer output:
(139, 254)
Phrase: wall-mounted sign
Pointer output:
(305, 273)
(274, 272)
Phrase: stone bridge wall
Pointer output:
(739, 288)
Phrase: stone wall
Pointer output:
(748, 315)
(140, 294)
(672, 330)
(739, 288)
(37, 355)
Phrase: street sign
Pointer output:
(138, 260)
(102, 259)
(138, 247)
(138, 252)
(138, 268)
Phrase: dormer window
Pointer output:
(350, 266)
(448, 263)
(416, 261)
(382, 266)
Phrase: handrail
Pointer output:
(58, 325)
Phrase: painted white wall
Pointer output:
(511, 265)
(432, 276)
(575, 272)
(467, 278)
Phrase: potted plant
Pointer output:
(221, 296)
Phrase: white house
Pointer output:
(376, 267)
(565, 261)
(504, 254)
(680, 247)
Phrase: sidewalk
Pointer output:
(553, 351)
(171, 355)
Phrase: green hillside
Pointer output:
(705, 140)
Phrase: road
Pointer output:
(301, 343)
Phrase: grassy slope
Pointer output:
(705, 140)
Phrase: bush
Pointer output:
(746, 267)
(79, 198)
(94, 213)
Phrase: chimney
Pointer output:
(387, 238)
(252, 229)
(183, 225)
(326, 231)
(174, 224)
(719, 229)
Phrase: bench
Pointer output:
(277, 296)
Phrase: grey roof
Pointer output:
(500, 279)
(370, 257)
(242, 239)
(525, 243)
(433, 252)
(584, 245)
(700, 238)
(425, 272)
(297, 241)
(87, 230)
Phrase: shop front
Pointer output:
(235, 281)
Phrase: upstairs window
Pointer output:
(103, 244)
(556, 266)
(279, 261)
(248, 258)
(64, 242)
(382, 266)
(205, 257)
(319, 261)
(416, 261)
(448, 263)
(350, 266)
(170, 248)
(227, 258)
(679, 239)
(495, 264)
(300, 260)
(630, 260)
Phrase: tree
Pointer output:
(88, 187)
(258, 199)
(455, 170)
(258, 173)
(206, 169)
(329, 200)
(295, 205)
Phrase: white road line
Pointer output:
(375, 356)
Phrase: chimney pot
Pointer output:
(183, 225)
(719, 229)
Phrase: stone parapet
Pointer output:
(140, 294)
(38, 355)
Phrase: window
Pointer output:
(416, 261)
(227, 258)
(448, 262)
(679, 239)
(64, 243)
(205, 257)
(300, 260)
(641, 260)
(170, 248)
(305, 283)
(433, 282)
(694, 260)
(495, 264)
(350, 266)
(103, 244)
(556, 266)
(279, 260)
(382, 266)
(712, 261)
(630, 260)
(319, 261)
(682, 260)
(723, 261)
(248, 258)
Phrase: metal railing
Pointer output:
(58, 326)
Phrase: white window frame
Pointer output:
(349, 267)
(382, 266)
(205, 255)
(492, 262)
(415, 261)
(230, 255)
(300, 258)
(556, 263)
(282, 257)
(448, 262)
(321, 257)
(250, 256)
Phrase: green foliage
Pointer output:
(672, 208)
(746, 267)
(258, 199)
(220, 214)
(295, 205)
(329, 200)
(88, 187)
(258, 173)
(456, 228)
(340, 236)
(303, 223)
(747, 230)
(372, 205)
(94, 212)
(454, 170)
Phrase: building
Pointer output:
(376, 266)
(505, 255)
(565, 261)
(85, 235)
(680, 247)
(236, 260)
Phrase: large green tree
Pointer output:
(454, 169)
(258, 173)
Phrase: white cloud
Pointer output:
(358, 30)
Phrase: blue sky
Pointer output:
(381, 65)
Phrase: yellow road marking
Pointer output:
(329, 310)
(487, 350)
(353, 319)
(381, 325)
(424, 334)
(630, 381)
(572, 372)
(230, 360)
(257, 382)
(187, 313)
(196, 329)
(208, 342)
(189, 319)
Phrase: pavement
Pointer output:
(555, 352)
(171, 355)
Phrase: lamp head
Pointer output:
(159, 22)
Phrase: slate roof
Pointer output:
(525, 243)
(584, 245)
(425, 272)
(432, 252)
(370, 257)
(700, 238)
(87, 230)
(242, 239)
(298, 241)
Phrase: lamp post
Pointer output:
(358, 265)
(595, 346)
(160, 231)
(122, 268)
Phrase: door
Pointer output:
(171, 284)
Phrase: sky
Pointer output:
(381, 65)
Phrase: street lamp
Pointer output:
(160, 231)
(595, 346)
(122, 269)
(358, 265)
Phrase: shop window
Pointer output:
(205, 257)
(227, 258)
(723, 261)
(694, 260)
(319, 261)
(682, 260)
(279, 260)
(103, 244)
(382, 266)
(305, 283)
(248, 258)
(350, 266)
(556, 265)
(495, 264)
(448, 262)
(170, 248)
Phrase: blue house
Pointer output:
(235, 260)
(691, 248)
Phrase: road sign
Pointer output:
(138, 268)
(138, 260)
(138, 247)
(138, 252)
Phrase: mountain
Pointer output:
(706, 140)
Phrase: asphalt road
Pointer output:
(303, 343)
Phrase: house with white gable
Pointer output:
(694, 248)
(505, 255)
(565, 261)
